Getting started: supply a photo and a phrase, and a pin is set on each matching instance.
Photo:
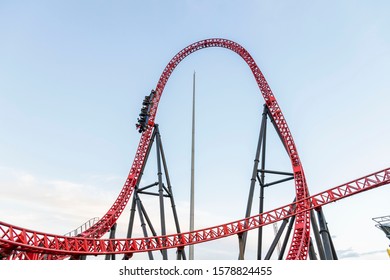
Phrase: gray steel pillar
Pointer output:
(326, 239)
(112, 236)
(242, 242)
(160, 190)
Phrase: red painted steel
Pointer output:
(36, 243)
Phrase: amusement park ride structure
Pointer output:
(383, 223)
(301, 220)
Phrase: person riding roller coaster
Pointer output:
(142, 124)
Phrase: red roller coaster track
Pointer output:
(20, 243)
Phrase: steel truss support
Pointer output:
(322, 237)
(164, 190)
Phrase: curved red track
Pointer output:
(34, 243)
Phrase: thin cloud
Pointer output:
(53, 205)
(351, 253)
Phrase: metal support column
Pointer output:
(240, 246)
(262, 183)
(112, 236)
(326, 238)
(242, 239)
(258, 174)
(143, 225)
(312, 253)
(163, 191)
(131, 224)
(160, 190)
(317, 236)
(276, 240)
(288, 233)
(180, 251)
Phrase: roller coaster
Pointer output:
(298, 216)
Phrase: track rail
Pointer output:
(299, 245)
(19, 239)
(43, 243)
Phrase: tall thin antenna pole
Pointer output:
(192, 200)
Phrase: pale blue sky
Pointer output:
(73, 75)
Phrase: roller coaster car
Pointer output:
(140, 128)
(145, 112)
(146, 101)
